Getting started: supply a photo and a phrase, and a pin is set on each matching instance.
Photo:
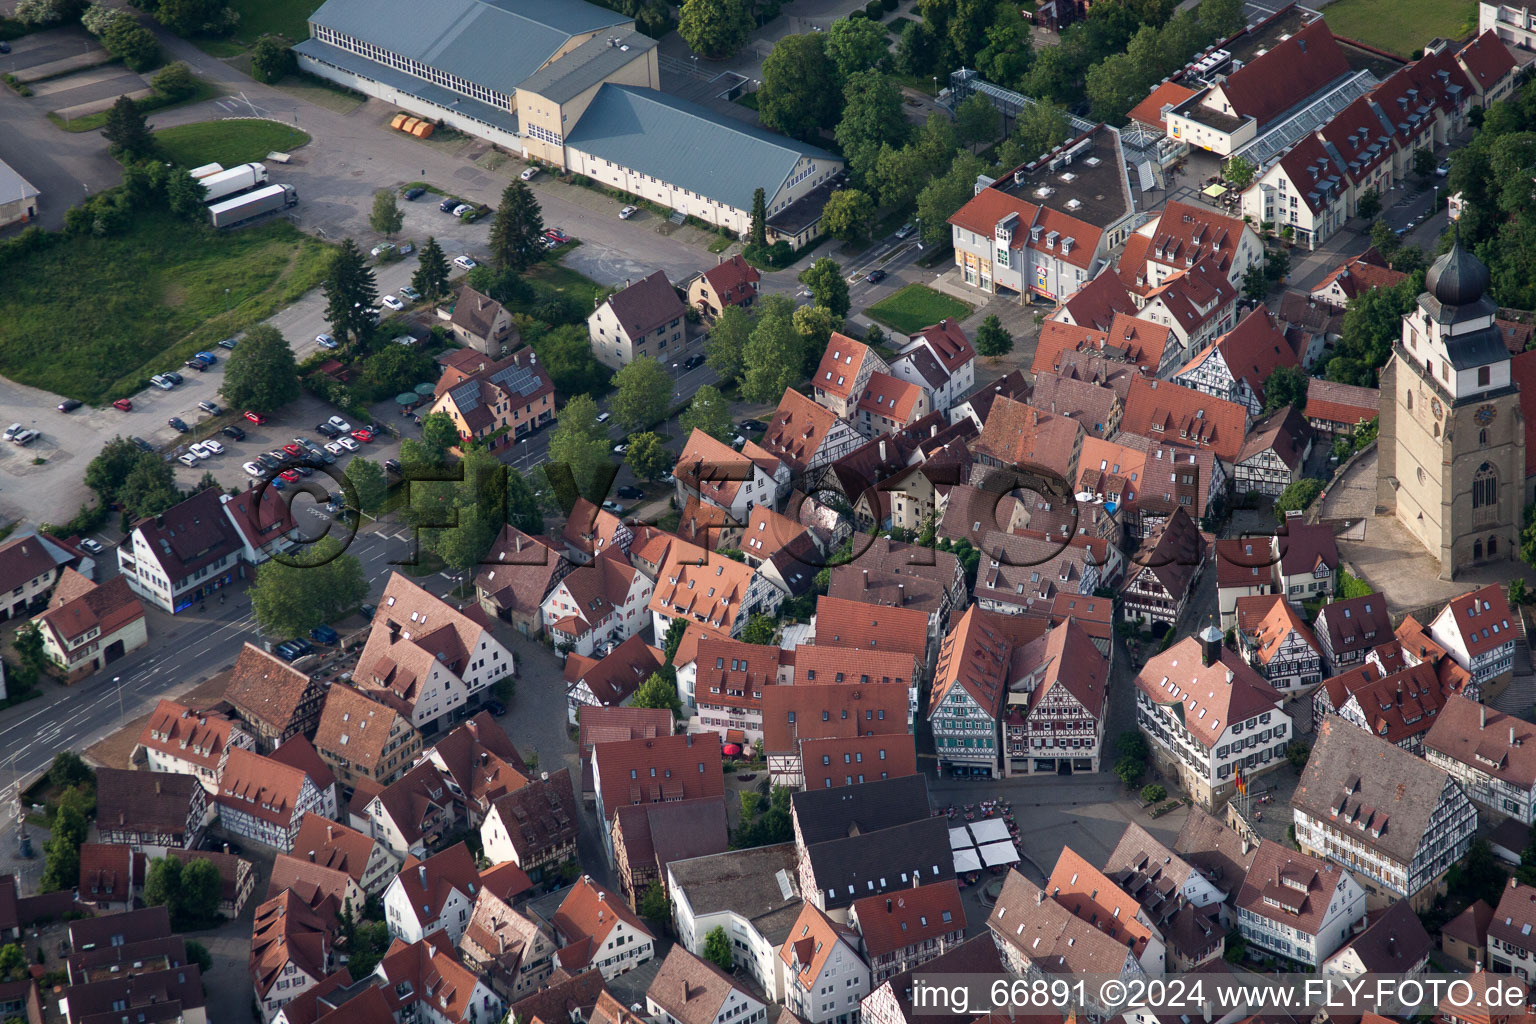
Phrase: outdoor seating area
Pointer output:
(987, 843)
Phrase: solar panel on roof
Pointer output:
(516, 378)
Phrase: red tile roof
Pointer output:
(589, 913)
(1284, 432)
(615, 677)
(1277, 621)
(949, 343)
(820, 711)
(261, 787)
(607, 725)
(830, 762)
(701, 586)
(201, 737)
(1482, 618)
(1301, 885)
(1022, 435)
(1096, 302)
(1346, 404)
(1252, 350)
(519, 571)
(798, 428)
(841, 364)
(1359, 275)
(844, 623)
(1487, 59)
(109, 873)
(732, 279)
(79, 606)
(429, 884)
(1165, 411)
(1092, 897)
(812, 940)
(663, 768)
(1290, 71)
(1150, 110)
(1186, 234)
(649, 303)
(890, 397)
(334, 845)
(1211, 700)
(911, 917)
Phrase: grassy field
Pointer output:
(915, 307)
(228, 142)
(563, 280)
(1401, 26)
(93, 318)
(288, 18)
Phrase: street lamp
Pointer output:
(122, 718)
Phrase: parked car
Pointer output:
(466, 261)
(287, 652)
(213, 447)
(906, 229)
(326, 429)
(393, 465)
(462, 209)
(381, 249)
(335, 448)
(124, 404)
(229, 343)
(93, 546)
(26, 437)
(367, 611)
(347, 443)
(207, 357)
(603, 417)
(196, 364)
(630, 492)
(178, 424)
(290, 475)
(293, 449)
(5, 47)
(255, 417)
(234, 432)
(269, 460)
(409, 294)
(341, 425)
(173, 377)
(11, 431)
(162, 382)
(141, 444)
(875, 276)
(187, 459)
(414, 193)
(751, 426)
(324, 634)
(211, 408)
(529, 173)
(406, 248)
(319, 455)
(627, 212)
(326, 341)
(496, 707)
(621, 448)
(614, 507)
(390, 302)
(69, 405)
(693, 362)
(448, 204)
(198, 451)
(1444, 169)
(558, 234)
(363, 434)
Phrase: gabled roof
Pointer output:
(353, 726)
(480, 759)
(690, 990)
(1093, 406)
(841, 365)
(827, 815)
(900, 575)
(1489, 741)
(1305, 546)
(846, 760)
(616, 677)
(1019, 434)
(592, 530)
(604, 725)
(825, 710)
(476, 313)
(428, 971)
(260, 787)
(948, 342)
(311, 881)
(1195, 297)
(701, 586)
(1186, 234)
(1072, 663)
(1346, 404)
(1210, 697)
(663, 768)
(1215, 848)
(1252, 350)
(890, 397)
(844, 623)
(649, 303)
(1284, 432)
(110, 873)
(540, 817)
(267, 690)
(708, 465)
(149, 802)
(201, 737)
(416, 800)
(1292, 70)
(1152, 111)
(1480, 618)
(1164, 411)
(1378, 794)
(912, 917)
(1173, 552)
(563, 1000)
(1487, 60)
(412, 633)
(1094, 898)
(1288, 887)
(656, 834)
(1050, 936)
(588, 913)
(732, 278)
(1354, 624)
(428, 885)
(975, 656)
(186, 537)
(1096, 303)
(1397, 705)
(1267, 621)
(519, 571)
(298, 752)
(798, 428)
(1361, 274)
(477, 388)
(286, 930)
(812, 941)
(334, 846)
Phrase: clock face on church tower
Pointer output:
(1485, 415)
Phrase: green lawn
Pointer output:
(915, 307)
(227, 142)
(94, 318)
(554, 277)
(288, 18)
(1401, 26)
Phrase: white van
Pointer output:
(12, 430)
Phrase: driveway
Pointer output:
(63, 166)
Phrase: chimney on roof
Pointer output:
(421, 874)
(311, 856)
(1482, 716)
(887, 906)
(866, 579)
(882, 449)
(157, 787)
(901, 595)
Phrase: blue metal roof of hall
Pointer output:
(494, 43)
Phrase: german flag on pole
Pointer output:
(1242, 782)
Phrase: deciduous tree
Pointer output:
(439, 431)
(149, 489)
(727, 343)
(386, 217)
(709, 412)
(849, 214)
(368, 482)
(127, 132)
(714, 28)
(522, 506)
(1287, 385)
(174, 81)
(271, 59)
(802, 88)
(717, 949)
(856, 44)
(824, 278)
(773, 355)
(943, 196)
(647, 457)
(581, 442)
(1040, 128)
(660, 692)
(133, 43)
(643, 395)
(261, 373)
(872, 116)
(977, 120)
(290, 599)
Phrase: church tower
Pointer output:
(1452, 441)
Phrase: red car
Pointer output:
(364, 434)
(255, 417)
(291, 476)
(123, 404)
(293, 449)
